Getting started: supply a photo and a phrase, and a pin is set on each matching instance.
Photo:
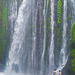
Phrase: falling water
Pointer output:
(73, 11)
(18, 37)
(63, 50)
(44, 40)
(34, 20)
(51, 51)
(63, 57)
(31, 52)
(13, 15)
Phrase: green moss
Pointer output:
(69, 17)
(42, 23)
(72, 59)
(3, 12)
(59, 4)
(18, 1)
(59, 19)
(72, 54)
(73, 32)
(58, 34)
(73, 37)
(47, 25)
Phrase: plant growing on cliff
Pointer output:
(3, 12)
(48, 25)
(72, 60)
(69, 17)
(73, 37)
(58, 34)
(72, 55)
(59, 3)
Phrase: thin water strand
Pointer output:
(63, 58)
(51, 50)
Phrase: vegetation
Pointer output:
(59, 19)
(59, 4)
(73, 37)
(48, 27)
(47, 24)
(58, 34)
(72, 55)
(3, 12)
(72, 60)
(69, 17)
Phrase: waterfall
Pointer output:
(13, 15)
(51, 50)
(63, 56)
(63, 49)
(18, 37)
(73, 11)
(44, 40)
(33, 38)
(34, 20)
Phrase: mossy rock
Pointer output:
(72, 54)
(3, 13)
(73, 37)
(72, 60)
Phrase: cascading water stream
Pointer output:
(63, 57)
(34, 20)
(32, 49)
(44, 40)
(18, 37)
(51, 50)
(13, 15)
(73, 11)
(64, 39)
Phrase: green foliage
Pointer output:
(48, 26)
(42, 23)
(47, 23)
(72, 55)
(72, 59)
(69, 17)
(3, 12)
(73, 37)
(58, 34)
(59, 4)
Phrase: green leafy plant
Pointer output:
(59, 4)
(73, 37)
(3, 12)
(72, 54)
(58, 34)
(72, 59)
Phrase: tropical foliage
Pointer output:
(3, 12)
(72, 55)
